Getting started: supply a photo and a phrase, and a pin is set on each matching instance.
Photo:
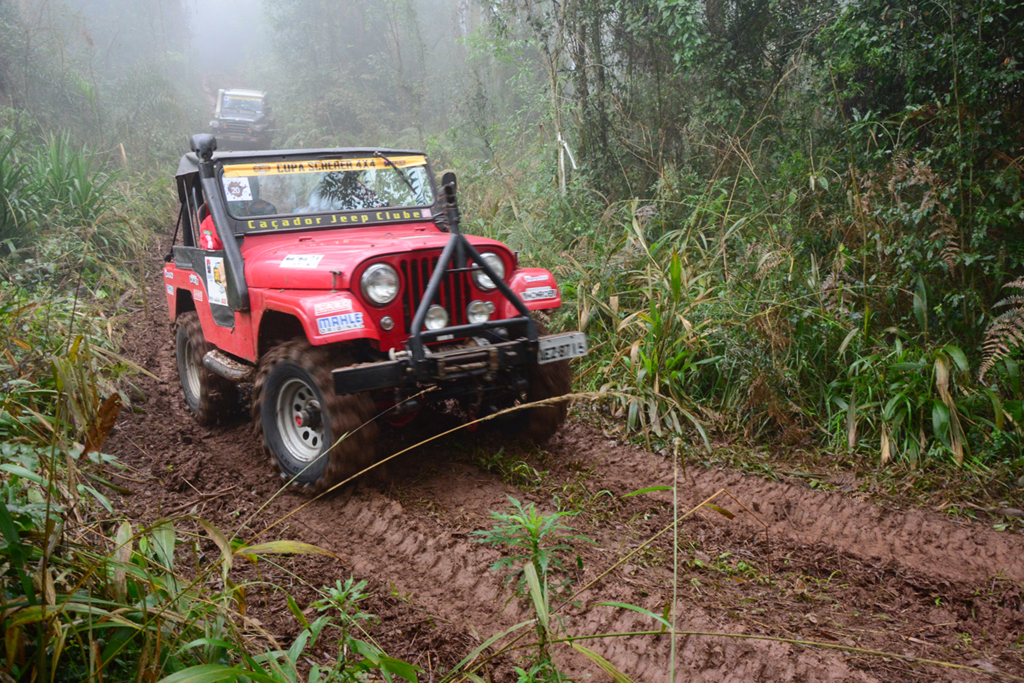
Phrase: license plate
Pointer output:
(561, 346)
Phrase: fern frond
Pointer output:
(1006, 332)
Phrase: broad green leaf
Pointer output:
(294, 608)
(921, 305)
(958, 356)
(491, 641)
(400, 668)
(282, 548)
(22, 472)
(649, 489)
(720, 510)
(221, 540)
(540, 602)
(846, 342)
(634, 608)
(997, 408)
(164, 540)
(215, 673)
(675, 271)
(207, 642)
(607, 666)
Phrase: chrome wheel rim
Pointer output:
(192, 370)
(295, 399)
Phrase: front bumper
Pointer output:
(473, 364)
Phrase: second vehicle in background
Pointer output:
(242, 119)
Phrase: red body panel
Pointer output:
(292, 273)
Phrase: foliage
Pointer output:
(533, 538)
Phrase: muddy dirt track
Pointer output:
(796, 564)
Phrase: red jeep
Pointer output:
(338, 282)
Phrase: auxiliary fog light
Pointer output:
(387, 323)
(479, 311)
(437, 318)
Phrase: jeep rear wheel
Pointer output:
(209, 396)
(313, 436)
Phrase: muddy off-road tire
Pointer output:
(541, 423)
(209, 396)
(298, 416)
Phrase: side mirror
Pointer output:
(204, 145)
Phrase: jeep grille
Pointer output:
(237, 127)
(453, 294)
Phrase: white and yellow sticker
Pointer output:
(319, 166)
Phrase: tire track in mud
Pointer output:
(413, 534)
(443, 570)
(920, 540)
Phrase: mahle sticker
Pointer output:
(307, 261)
(340, 323)
(237, 189)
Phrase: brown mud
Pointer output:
(792, 563)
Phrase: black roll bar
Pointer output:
(204, 146)
(458, 249)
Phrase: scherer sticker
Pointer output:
(237, 189)
(216, 282)
(169, 275)
(336, 306)
(340, 323)
(307, 261)
(193, 278)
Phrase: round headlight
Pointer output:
(482, 280)
(437, 318)
(214, 124)
(380, 283)
(479, 311)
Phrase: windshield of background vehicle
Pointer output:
(239, 103)
(324, 186)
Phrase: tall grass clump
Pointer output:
(816, 308)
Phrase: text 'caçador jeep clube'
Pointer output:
(339, 283)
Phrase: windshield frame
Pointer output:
(322, 220)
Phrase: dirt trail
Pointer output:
(833, 569)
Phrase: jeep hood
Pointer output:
(306, 260)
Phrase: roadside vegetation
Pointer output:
(796, 230)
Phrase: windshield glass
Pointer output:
(242, 103)
(325, 186)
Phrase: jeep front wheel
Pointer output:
(550, 380)
(314, 437)
(209, 396)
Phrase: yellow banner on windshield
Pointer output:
(319, 166)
